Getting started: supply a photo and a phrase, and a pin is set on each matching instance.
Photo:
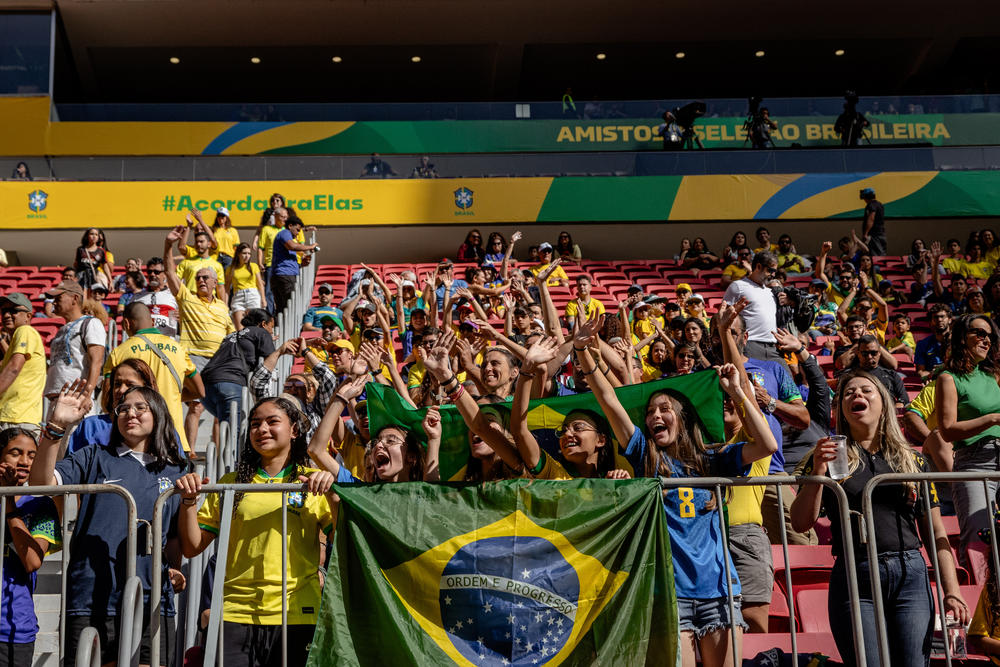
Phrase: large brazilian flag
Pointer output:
(700, 390)
(518, 572)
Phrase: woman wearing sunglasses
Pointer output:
(967, 402)
(142, 456)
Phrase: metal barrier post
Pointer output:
(88, 652)
(925, 479)
(130, 636)
(213, 632)
(845, 526)
(792, 626)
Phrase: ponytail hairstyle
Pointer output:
(162, 443)
(256, 317)
(298, 454)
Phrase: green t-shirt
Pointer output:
(978, 395)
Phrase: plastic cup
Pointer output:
(839, 468)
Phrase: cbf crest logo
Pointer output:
(296, 499)
(164, 483)
(511, 593)
(37, 201)
(463, 198)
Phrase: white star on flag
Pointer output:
(487, 608)
(511, 618)
(525, 573)
(447, 599)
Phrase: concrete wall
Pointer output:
(623, 240)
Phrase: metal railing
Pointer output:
(716, 484)
(213, 632)
(925, 480)
(126, 648)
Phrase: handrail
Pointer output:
(925, 479)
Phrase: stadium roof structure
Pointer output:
(122, 50)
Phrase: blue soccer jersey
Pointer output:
(696, 545)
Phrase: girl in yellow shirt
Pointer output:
(226, 237)
(245, 284)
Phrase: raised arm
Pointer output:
(935, 268)
(844, 309)
(820, 269)
(169, 266)
(620, 422)
(432, 459)
(505, 265)
(331, 426)
(205, 228)
(762, 442)
(538, 356)
(65, 412)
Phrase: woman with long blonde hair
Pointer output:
(875, 445)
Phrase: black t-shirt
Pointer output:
(237, 356)
(891, 381)
(896, 511)
(878, 225)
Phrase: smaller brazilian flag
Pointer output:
(518, 572)
(701, 390)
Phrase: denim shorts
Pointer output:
(706, 616)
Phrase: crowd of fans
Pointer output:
(837, 355)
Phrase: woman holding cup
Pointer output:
(875, 445)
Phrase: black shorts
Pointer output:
(260, 645)
(108, 630)
(16, 655)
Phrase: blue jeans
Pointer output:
(217, 398)
(906, 598)
(267, 290)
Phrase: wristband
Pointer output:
(456, 394)
(800, 350)
(188, 501)
(586, 373)
(14, 513)
(579, 349)
(529, 375)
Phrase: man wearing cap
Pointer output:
(157, 295)
(22, 371)
(590, 305)
(313, 318)
(558, 275)
(695, 307)
(873, 223)
(332, 330)
(682, 291)
(761, 312)
(77, 349)
(204, 320)
(285, 263)
(200, 256)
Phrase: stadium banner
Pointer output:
(464, 201)
(26, 130)
(701, 390)
(516, 572)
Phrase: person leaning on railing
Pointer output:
(875, 445)
(142, 457)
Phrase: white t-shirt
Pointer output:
(68, 359)
(163, 307)
(760, 314)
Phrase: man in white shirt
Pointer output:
(761, 311)
(157, 295)
(77, 349)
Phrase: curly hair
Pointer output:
(298, 454)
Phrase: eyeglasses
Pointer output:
(197, 278)
(575, 427)
(13, 310)
(389, 442)
(128, 408)
(979, 333)
(153, 272)
(295, 384)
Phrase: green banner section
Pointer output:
(627, 134)
(701, 390)
(520, 572)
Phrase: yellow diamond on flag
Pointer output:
(510, 593)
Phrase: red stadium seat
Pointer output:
(811, 606)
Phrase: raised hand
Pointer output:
(826, 247)
(437, 360)
(539, 354)
(485, 328)
(464, 293)
(622, 348)
(291, 346)
(197, 215)
(728, 313)
(863, 278)
(175, 234)
(351, 389)
(372, 355)
(396, 278)
(936, 251)
(507, 300)
(515, 237)
(71, 405)
(432, 423)
(787, 341)
(544, 275)
(585, 335)
(729, 380)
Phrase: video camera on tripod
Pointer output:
(677, 129)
